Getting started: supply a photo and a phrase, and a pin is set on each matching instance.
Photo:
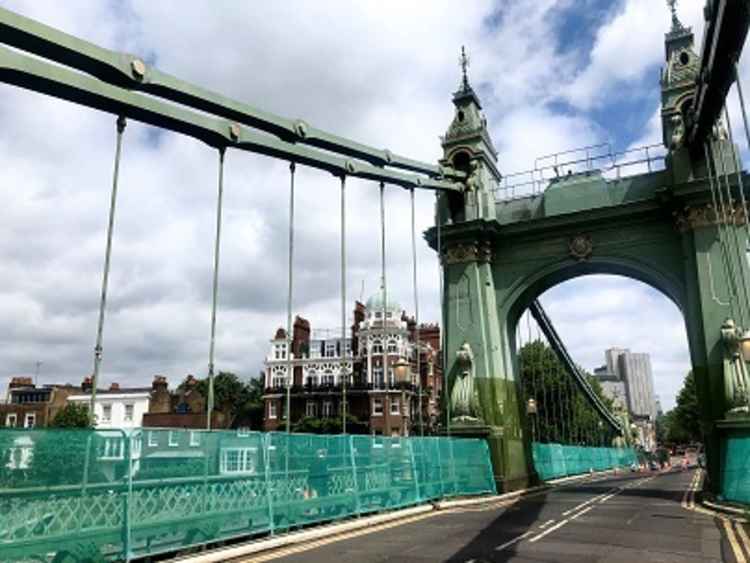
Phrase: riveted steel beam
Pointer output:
(40, 76)
(727, 23)
(132, 73)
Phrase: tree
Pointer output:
(72, 415)
(332, 425)
(241, 402)
(683, 422)
(563, 414)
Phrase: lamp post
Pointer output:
(531, 410)
(401, 373)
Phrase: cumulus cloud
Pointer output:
(354, 69)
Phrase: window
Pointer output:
(312, 377)
(30, 420)
(173, 442)
(238, 460)
(152, 440)
(279, 352)
(129, 413)
(328, 378)
(330, 349)
(377, 377)
(10, 420)
(377, 407)
(311, 409)
(392, 347)
(272, 409)
(113, 448)
(327, 408)
(395, 405)
(195, 439)
(377, 348)
(106, 413)
(378, 314)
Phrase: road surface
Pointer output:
(631, 518)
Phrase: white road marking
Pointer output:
(743, 536)
(549, 531)
(581, 513)
(547, 523)
(577, 507)
(513, 541)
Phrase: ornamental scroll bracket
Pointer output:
(707, 215)
(465, 252)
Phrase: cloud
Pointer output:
(627, 47)
(355, 69)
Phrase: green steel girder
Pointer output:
(47, 78)
(727, 23)
(130, 72)
(544, 322)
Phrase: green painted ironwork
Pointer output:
(88, 495)
(552, 461)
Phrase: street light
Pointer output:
(401, 370)
(745, 345)
(531, 410)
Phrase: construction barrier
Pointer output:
(735, 478)
(105, 495)
(552, 461)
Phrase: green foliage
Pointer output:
(332, 425)
(72, 415)
(241, 402)
(682, 424)
(563, 413)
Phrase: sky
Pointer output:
(552, 75)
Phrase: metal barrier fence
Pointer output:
(735, 479)
(103, 495)
(552, 461)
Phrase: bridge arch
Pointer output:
(551, 275)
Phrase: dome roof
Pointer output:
(375, 303)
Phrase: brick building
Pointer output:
(28, 405)
(379, 339)
(185, 407)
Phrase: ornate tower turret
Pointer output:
(467, 147)
(678, 81)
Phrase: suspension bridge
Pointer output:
(674, 216)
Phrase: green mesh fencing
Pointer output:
(735, 478)
(552, 461)
(83, 495)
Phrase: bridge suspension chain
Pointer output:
(443, 340)
(738, 170)
(215, 290)
(343, 372)
(289, 301)
(729, 217)
(416, 311)
(731, 283)
(120, 124)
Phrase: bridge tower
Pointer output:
(681, 228)
(482, 391)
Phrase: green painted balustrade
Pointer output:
(552, 461)
(106, 495)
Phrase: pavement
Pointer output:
(630, 518)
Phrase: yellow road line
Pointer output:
(738, 555)
(743, 536)
(275, 554)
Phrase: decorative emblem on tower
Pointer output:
(580, 247)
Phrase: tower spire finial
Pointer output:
(464, 62)
(676, 23)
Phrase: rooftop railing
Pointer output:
(595, 158)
